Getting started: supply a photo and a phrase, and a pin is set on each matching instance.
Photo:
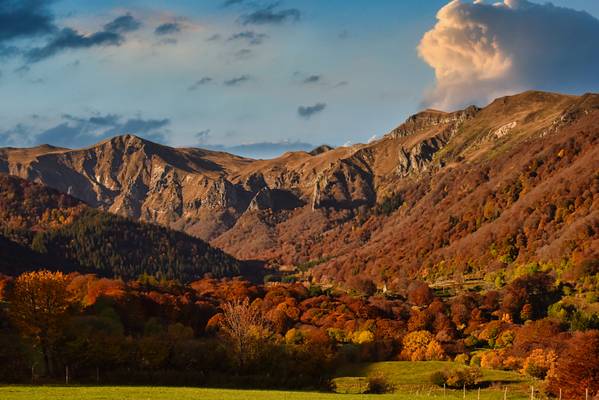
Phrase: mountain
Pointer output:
(479, 190)
(41, 227)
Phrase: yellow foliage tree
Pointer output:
(362, 337)
(539, 363)
(421, 346)
(39, 305)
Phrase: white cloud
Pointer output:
(480, 51)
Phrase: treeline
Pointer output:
(232, 332)
(62, 233)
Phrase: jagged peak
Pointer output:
(431, 117)
(126, 139)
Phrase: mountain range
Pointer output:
(445, 194)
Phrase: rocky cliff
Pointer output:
(282, 209)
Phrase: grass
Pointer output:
(411, 380)
(168, 393)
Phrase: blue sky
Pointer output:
(256, 71)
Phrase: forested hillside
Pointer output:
(44, 228)
(478, 192)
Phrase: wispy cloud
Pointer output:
(202, 136)
(24, 19)
(270, 15)
(250, 37)
(309, 111)
(168, 28)
(77, 131)
(200, 82)
(242, 54)
(312, 79)
(229, 3)
(237, 80)
(122, 24)
(68, 39)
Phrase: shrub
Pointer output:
(475, 361)
(457, 377)
(350, 385)
(379, 384)
(438, 378)
(461, 359)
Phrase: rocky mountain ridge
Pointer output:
(281, 209)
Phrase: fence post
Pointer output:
(66, 375)
(464, 397)
(443, 390)
(560, 393)
(505, 393)
(478, 393)
(532, 392)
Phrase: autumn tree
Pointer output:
(420, 294)
(39, 305)
(529, 296)
(577, 367)
(245, 327)
(421, 346)
(539, 363)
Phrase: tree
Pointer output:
(420, 346)
(577, 367)
(245, 327)
(529, 296)
(420, 294)
(539, 363)
(39, 305)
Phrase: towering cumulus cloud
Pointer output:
(480, 51)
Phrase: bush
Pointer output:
(438, 378)
(350, 385)
(461, 359)
(475, 361)
(379, 384)
(457, 377)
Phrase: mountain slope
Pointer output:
(442, 194)
(45, 228)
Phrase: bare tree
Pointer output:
(246, 327)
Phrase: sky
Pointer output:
(262, 77)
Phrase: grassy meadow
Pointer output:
(410, 380)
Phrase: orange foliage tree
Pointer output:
(39, 305)
(577, 367)
(420, 346)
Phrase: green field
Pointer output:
(411, 380)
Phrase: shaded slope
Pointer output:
(63, 233)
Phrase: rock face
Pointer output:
(231, 200)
